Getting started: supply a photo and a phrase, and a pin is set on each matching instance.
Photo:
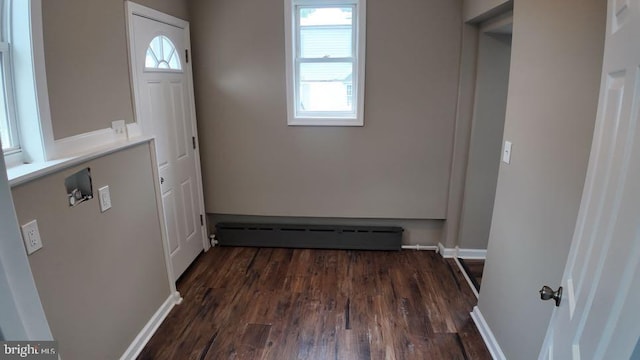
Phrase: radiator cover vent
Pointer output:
(310, 236)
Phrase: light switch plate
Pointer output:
(105, 198)
(506, 153)
(31, 237)
(119, 127)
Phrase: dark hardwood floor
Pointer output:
(474, 269)
(251, 303)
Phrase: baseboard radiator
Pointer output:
(310, 236)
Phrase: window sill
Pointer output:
(324, 122)
(24, 173)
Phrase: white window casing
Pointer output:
(8, 124)
(24, 32)
(325, 90)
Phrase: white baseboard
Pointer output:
(447, 252)
(462, 253)
(487, 334)
(466, 276)
(472, 253)
(150, 328)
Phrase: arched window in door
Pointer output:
(162, 55)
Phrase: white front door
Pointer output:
(164, 106)
(599, 316)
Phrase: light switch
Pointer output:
(105, 198)
(119, 127)
(506, 153)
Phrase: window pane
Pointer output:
(4, 132)
(326, 87)
(326, 16)
(174, 62)
(162, 54)
(325, 42)
(150, 60)
(167, 48)
(5, 128)
(156, 46)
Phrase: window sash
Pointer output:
(299, 60)
(325, 114)
(9, 101)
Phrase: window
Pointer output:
(325, 62)
(162, 55)
(8, 125)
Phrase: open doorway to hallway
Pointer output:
(485, 144)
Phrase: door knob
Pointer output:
(161, 180)
(547, 293)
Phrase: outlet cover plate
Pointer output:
(31, 237)
(105, 198)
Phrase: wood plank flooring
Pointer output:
(474, 269)
(261, 303)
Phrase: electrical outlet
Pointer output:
(31, 236)
(105, 198)
(119, 127)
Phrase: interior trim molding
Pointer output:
(151, 327)
(471, 253)
(447, 252)
(462, 253)
(28, 172)
(81, 143)
(466, 277)
(487, 334)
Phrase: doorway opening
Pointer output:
(487, 126)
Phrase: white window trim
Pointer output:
(32, 98)
(359, 64)
(13, 155)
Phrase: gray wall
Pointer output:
(462, 133)
(396, 166)
(100, 276)
(476, 10)
(21, 313)
(86, 60)
(494, 54)
(177, 8)
(556, 62)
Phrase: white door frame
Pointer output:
(132, 9)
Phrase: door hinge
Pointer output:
(186, 55)
(193, 140)
(201, 220)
